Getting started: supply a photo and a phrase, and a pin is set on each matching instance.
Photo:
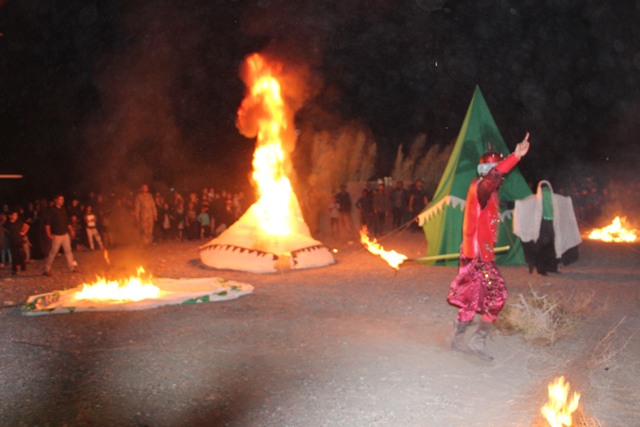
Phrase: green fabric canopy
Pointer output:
(443, 216)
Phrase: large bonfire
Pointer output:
(272, 232)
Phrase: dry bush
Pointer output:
(581, 420)
(418, 164)
(345, 155)
(578, 420)
(540, 319)
(609, 346)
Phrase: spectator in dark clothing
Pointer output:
(367, 214)
(5, 252)
(17, 229)
(77, 242)
(343, 199)
(399, 199)
(75, 209)
(191, 221)
(417, 202)
(227, 217)
(58, 229)
(381, 207)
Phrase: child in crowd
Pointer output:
(205, 222)
(91, 225)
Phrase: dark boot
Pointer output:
(458, 335)
(479, 339)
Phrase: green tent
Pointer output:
(442, 218)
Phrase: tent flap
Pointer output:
(442, 218)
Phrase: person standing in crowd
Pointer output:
(166, 219)
(91, 226)
(417, 202)
(77, 243)
(157, 226)
(399, 201)
(334, 216)
(343, 198)
(365, 205)
(75, 209)
(103, 212)
(58, 229)
(227, 217)
(191, 221)
(479, 286)
(179, 217)
(381, 207)
(204, 222)
(17, 230)
(27, 218)
(146, 214)
(5, 252)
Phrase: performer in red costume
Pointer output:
(479, 287)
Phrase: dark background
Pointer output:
(107, 94)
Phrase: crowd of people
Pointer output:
(383, 208)
(146, 217)
(593, 199)
(379, 207)
(96, 222)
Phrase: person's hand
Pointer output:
(523, 147)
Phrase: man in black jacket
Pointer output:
(58, 229)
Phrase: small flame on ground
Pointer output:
(393, 258)
(557, 411)
(132, 289)
(614, 232)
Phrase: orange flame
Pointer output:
(393, 258)
(614, 232)
(269, 170)
(557, 411)
(132, 289)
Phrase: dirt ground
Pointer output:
(353, 344)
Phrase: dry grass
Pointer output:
(418, 164)
(609, 346)
(582, 420)
(579, 419)
(541, 319)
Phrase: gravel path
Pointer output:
(353, 344)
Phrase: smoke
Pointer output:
(168, 95)
(134, 137)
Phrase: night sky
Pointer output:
(105, 95)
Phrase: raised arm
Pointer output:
(523, 147)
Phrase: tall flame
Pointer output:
(269, 171)
(614, 232)
(393, 258)
(557, 411)
(271, 232)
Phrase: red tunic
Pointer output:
(482, 214)
(479, 286)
